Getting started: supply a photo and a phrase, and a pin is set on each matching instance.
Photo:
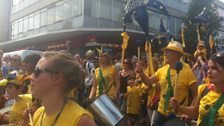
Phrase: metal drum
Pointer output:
(105, 111)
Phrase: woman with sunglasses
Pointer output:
(209, 107)
(56, 74)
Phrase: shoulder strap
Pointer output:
(209, 119)
(169, 91)
(205, 91)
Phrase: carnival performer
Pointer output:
(166, 78)
(106, 78)
(56, 74)
(209, 107)
(14, 88)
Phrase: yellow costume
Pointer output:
(16, 113)
(208, 101)
(133, 100)
(69, 116)
(108, 74)
(186, 78)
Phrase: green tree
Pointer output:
(196, 6)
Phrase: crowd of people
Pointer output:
(54, 89)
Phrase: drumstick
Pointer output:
(178, 67)
(30, 116)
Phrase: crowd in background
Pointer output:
(180, 92)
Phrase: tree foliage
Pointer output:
(213, 24)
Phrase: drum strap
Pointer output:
(209, 119)
(169, 91)
(101, 81)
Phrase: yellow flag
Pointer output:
(124, 45)
(199, 36)
(182, 37)
(148, 48)
(211, 41)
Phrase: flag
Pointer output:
(138, 9)
(157, 5)
(148, 50)
(198, 32)
(141, 16)
(211, 41)
(201, 17)
(182, 36)
(162, 28)
(124, 45)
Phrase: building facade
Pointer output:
(46, 24)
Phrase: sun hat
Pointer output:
(175, 46)
(89, 53)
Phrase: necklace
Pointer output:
(56, 118)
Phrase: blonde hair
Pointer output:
(63, 62)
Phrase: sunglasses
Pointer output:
(38, 71)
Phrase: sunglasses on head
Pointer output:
(38, 71)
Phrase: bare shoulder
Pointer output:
(86, 121)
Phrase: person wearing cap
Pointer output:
(200, 67)
(89, 70)
(106, 78)
(201, 50)
(166, 77)
(14, 88)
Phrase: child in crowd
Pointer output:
(133, 101)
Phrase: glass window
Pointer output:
(26, 3)
(59, 12)
(26, 24)
(117, 10)
(21, 25)
(13, 29)
(21, 5)
(68, 10)
(95, 8)
(43, 17)
(51, 15)
(171, 25)
(31, 21)
(16, 28)
(151, 19)
(77, 7)
(105, 9)
(37, 20)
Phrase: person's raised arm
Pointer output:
(147, 80)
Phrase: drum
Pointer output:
(105, 111)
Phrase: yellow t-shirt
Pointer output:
(109, 76)
(186, 78)
(16, 113)
(133, 100)
(70, 116)
(208, 101)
